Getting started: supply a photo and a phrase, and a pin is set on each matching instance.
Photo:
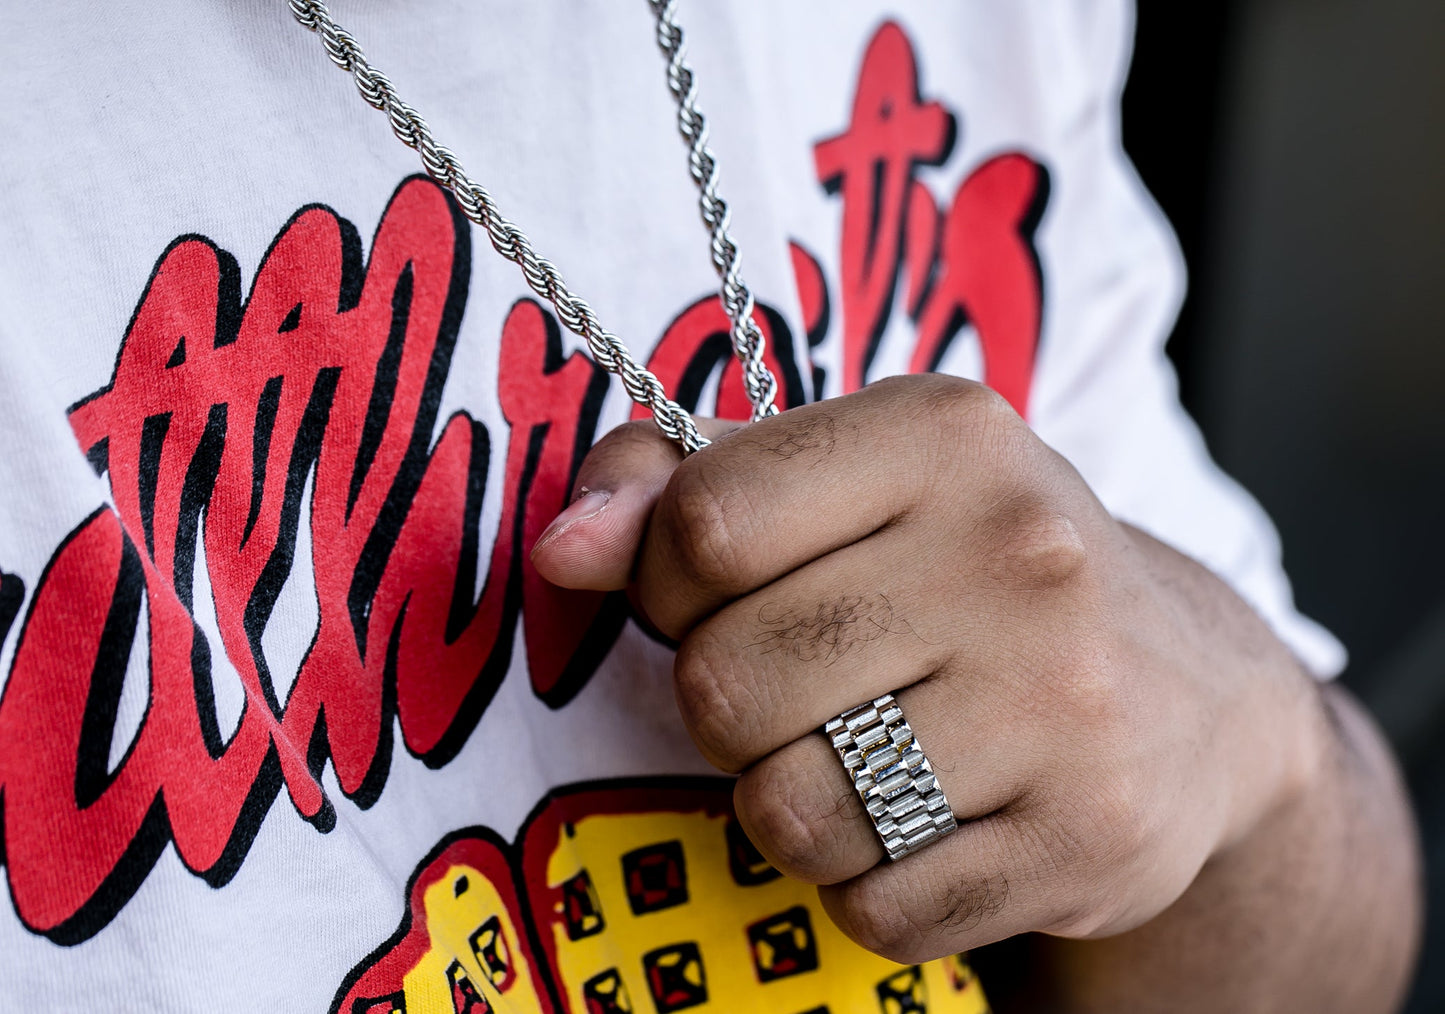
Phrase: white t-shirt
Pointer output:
(288, 720)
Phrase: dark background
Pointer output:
(1298, 146)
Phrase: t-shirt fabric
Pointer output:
(288, 720)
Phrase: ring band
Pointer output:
(891, 774)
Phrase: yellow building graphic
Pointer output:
(630, 898)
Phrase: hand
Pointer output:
(1103, 715)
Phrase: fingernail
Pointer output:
(588, 505)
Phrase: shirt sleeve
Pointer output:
(1106, 396)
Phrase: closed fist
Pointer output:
(1096, 740)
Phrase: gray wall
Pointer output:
(1323, 384)
(1319, 366)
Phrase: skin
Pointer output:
(1159, 810)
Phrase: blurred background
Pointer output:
(1298, 146)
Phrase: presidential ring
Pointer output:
(892, 776)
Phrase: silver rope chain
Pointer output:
(737, 298)
(543, 278)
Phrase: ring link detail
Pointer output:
(893, 777)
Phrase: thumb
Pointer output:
(593, 543)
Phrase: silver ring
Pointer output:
(891, 774)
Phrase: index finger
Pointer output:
(768, 498)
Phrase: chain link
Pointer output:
(541, 276)
(737, 299)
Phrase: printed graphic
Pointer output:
(637, 898)
(971, 261)
(232, 426)
(219, 415)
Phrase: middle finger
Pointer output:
(776, 664)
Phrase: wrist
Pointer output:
(1288, 776)
(1269, 733)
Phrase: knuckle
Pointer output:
(1061, 854)
(631, 433)
(625, 442)
(1085, 683)
(1077, 920)
(1036, 544)
(1090, 907)
(632, 454)
(977, 433)
(1056, 850)
(957, 401)
(1101, 832)
(699, 520)
(1119, 805)
(897, 383)
(941, 398)
(790, 824)
(715, 700)
(871, 911)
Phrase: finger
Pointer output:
(800, 808)
(593, 543)
(794, 487)
(971, 888)
(773, 666)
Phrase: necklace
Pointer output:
(543, 278)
